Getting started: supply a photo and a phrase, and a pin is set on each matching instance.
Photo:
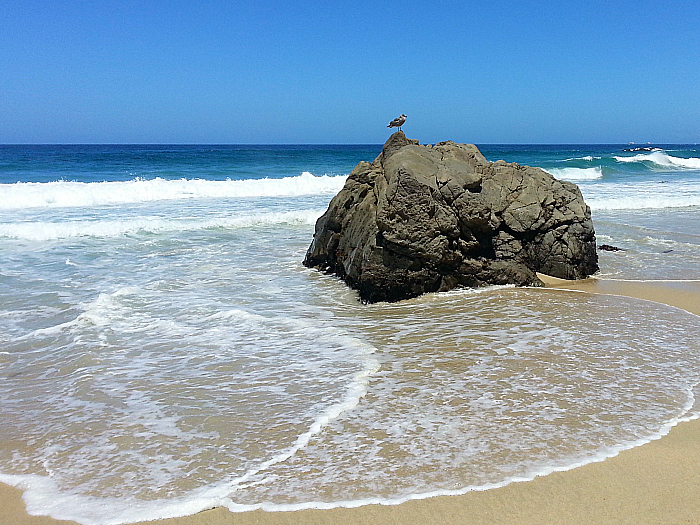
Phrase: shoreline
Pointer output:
(653, 483)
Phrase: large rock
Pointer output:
(423, 219)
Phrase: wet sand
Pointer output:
(657, 483)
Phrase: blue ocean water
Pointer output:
(164, 351)
(101, 163)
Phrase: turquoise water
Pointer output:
(164, 351)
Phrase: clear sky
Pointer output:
(264, 71)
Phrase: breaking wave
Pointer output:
(577, 174)
(663, 160)
(66, 194)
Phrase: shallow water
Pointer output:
(163, 350)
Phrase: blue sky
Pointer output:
(337, 72)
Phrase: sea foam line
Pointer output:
(355, 391)
(64, 194)
(43, 497)
(45, 231)
(686, 415)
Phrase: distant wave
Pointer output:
(664, 160)
(589, 158)
(22, 195)
(576, 174)
(45, 231)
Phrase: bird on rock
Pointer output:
(397, 122)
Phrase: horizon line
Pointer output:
(642, 144)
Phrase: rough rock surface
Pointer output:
(423, 219)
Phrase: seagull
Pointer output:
(397, 122)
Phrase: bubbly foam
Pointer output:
(413, 403)
(234, 359)
(88, 194)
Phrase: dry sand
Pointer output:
(658, 483)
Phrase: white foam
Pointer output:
(576, 174)
(49, 495)
(601, 455)
(88, 194)
(44, 496)
(661, 159)
(642, 195)
(45, 230)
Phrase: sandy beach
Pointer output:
(652, 484)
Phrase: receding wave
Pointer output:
(661, 159)
(61, 194)
(45, 231)
(577, 174)
(517, 393)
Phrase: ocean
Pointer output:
(164, 351)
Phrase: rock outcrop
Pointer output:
(423, 219)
